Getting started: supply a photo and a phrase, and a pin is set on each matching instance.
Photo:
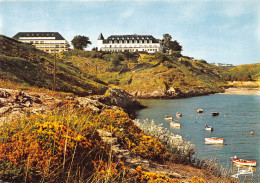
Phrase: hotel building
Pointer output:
(49, 42)
(132, 43)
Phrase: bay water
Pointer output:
(239, 115)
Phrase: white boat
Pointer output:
(199, 110)
(208, 128)
(214, 140)
(174, 124)
(243, 161)
(168, 118)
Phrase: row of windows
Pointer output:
(130, 38)
(131, 50)
(37, 34)
(131, 41)
(51, 46)
(42, 42)
(134, 46)
(54, 51)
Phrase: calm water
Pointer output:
(238, 116)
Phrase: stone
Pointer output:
(4, 94)
(103, 133)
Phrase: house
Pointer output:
(131, 43)
(49, 42)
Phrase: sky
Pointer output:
(219, 31)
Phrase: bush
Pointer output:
(179, 150)
(65, 147)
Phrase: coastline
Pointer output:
(241, 91)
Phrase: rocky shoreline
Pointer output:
(175, 93)
(17, 104)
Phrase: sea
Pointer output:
(239, 117)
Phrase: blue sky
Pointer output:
(221, 31)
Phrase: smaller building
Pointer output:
(49, 42)
(131, 43)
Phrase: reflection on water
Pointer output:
(239, 115)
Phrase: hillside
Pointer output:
(26, 66)
(46, 137)
(150, 75)
(247, 75)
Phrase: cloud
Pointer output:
(235, 8)
(127, 13)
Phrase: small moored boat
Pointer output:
(215, 113)
(174, 124)
(178, 114)
(208, 128)
(199, 110)
(214, 140)
(168, 118)
(243, 161)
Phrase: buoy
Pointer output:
(252, 133)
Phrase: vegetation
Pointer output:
(145, 73)
(66, 147)
(170, 45)
(24, 64)
(80, 42)
(248, 72)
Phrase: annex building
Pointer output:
(132, 43)
(49, 42)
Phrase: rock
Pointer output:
(120, 98)
(103, 133)
(3, 110)
(109, 140)
(4, 94)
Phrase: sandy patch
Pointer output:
(242, 91)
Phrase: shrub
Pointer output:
(179, 150)
(65, 146)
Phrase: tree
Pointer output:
(80, 42)
(170, 45)
(175, 46)
(167, 40)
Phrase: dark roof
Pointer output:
(101, 37)
(39, 34)
(131, 37)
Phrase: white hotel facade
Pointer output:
(131, 43)
(49, 42)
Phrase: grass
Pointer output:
(65, 146)
(25, 65)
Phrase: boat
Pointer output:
(214, 140)
(199, 110)
(243, 172)
(208, 128)
(243, 161)
(178, 114)
(168, 118)
(215, 113)
(174, 124)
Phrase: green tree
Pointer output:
(80, 42)
(175, 46)
(170, 45)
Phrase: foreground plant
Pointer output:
(65, 146)
(180, 151)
